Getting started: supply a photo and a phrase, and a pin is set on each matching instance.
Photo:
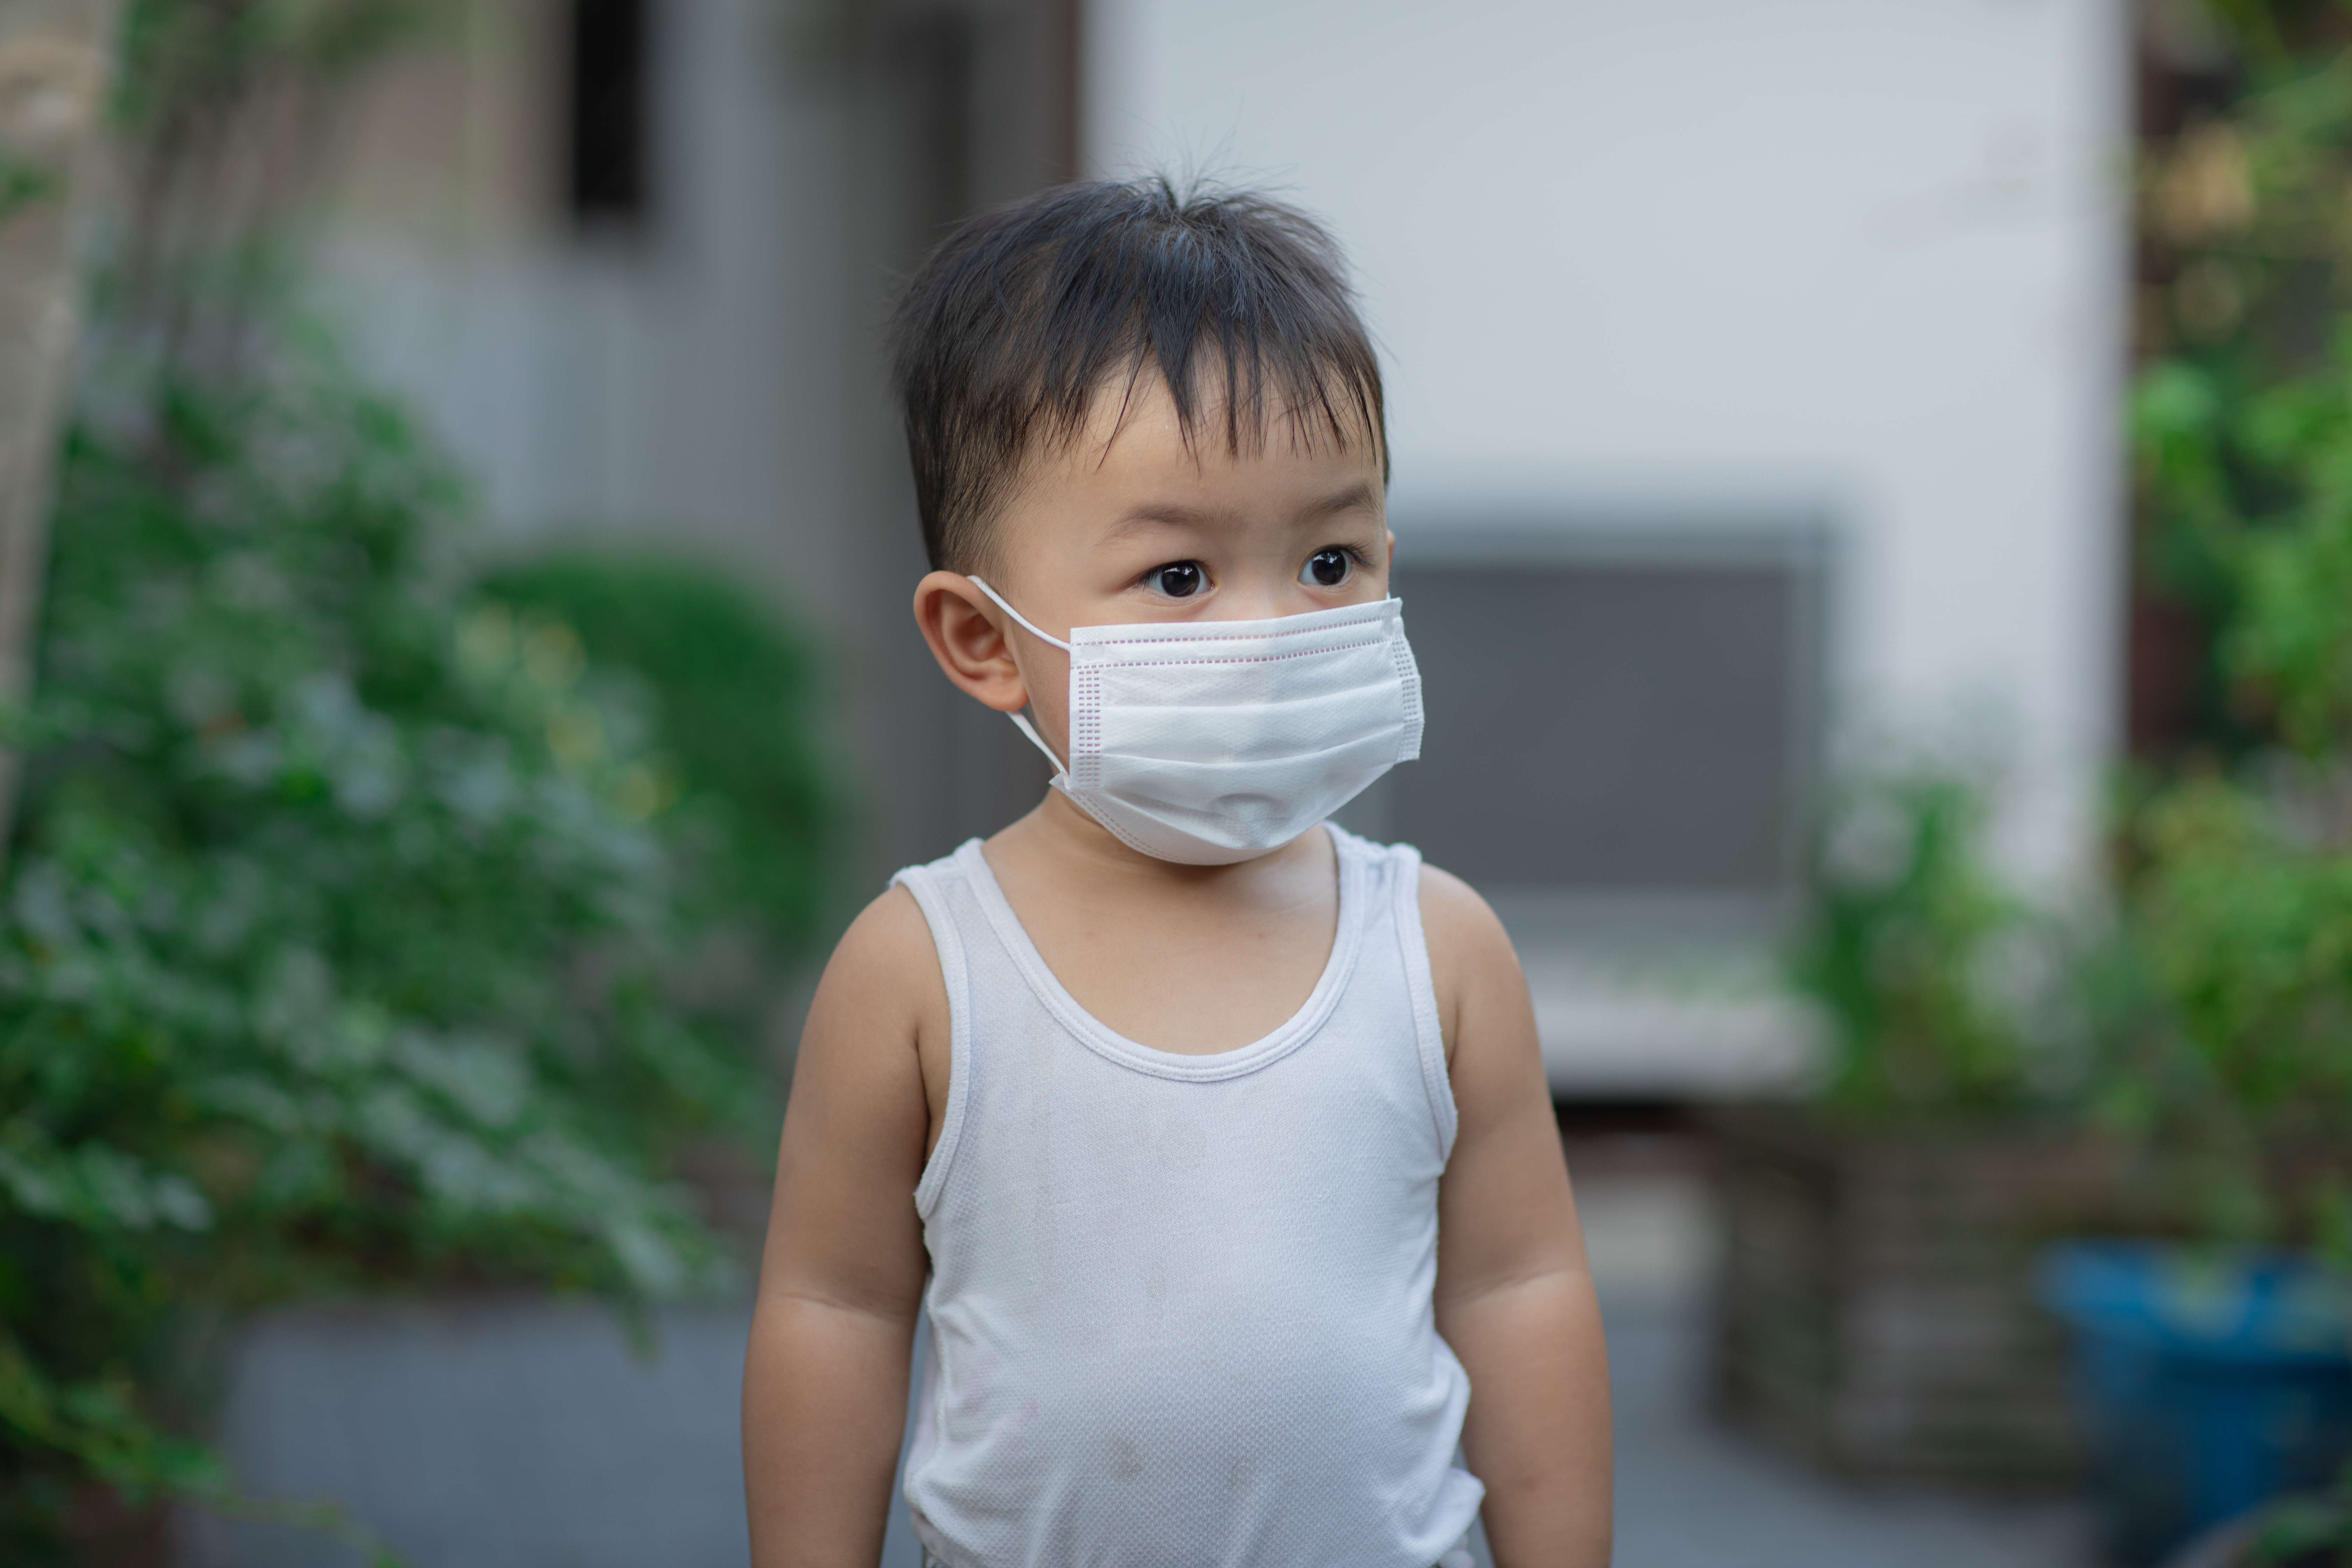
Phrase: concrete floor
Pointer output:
(525, 1434)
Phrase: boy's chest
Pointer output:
(1195, 981)
(1086, 1191)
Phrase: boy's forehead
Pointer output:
(1135, 418)
(1136, 456)
(1134, 463)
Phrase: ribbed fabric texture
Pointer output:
(1180, 1306)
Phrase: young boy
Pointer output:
(1213, 1141)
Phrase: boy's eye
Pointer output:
(1179, 579)
(1326, 568)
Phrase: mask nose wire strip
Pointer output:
(1022, 719)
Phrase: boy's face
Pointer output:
(1128, 524)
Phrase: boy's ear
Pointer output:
(966, 639)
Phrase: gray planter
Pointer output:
(508, 1432)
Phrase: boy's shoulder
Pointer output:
(1453, 907)
(1459, 925)
(887, 951)
(1470, 954)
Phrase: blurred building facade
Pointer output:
(634, 257)
(1753, 375)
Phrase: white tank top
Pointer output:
(1181, 1305)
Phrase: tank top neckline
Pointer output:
(1107, 1042)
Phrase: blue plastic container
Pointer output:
(2210, 1384)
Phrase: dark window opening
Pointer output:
(609, 173)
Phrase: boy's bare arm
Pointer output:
(825, 1379)
(1513, 1297)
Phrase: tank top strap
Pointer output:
(1393, 874)
(948, 906)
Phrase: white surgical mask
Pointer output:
(1206, 742)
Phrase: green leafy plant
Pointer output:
(357, 927)
(2237, 891)
(2243, 934)
(2313, 1530)
(340, 942)
(1936, 977)
(734, 695)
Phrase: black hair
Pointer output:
(1023, 316)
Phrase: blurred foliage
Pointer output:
(733, 694)
(2237, 863)
(1938, 983)
(363, 930)
(2308, 1532)
(2241, 928)
(185, 61)
(343, 932)
(2242, 421)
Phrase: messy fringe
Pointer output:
(1022, 317)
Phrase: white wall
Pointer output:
(1719, 256)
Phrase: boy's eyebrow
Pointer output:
(1175, 514)
(1157, 514)
(1360, 494)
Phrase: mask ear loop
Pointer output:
(1032, 631)
(1021, 721)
